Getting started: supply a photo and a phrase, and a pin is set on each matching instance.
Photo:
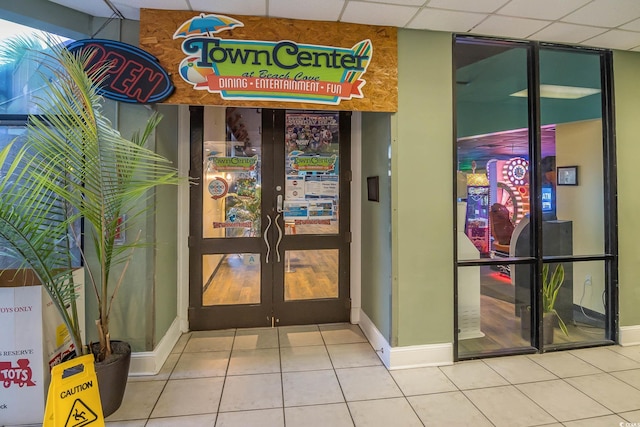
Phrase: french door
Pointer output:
(269, 223)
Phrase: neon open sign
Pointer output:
(135, 76)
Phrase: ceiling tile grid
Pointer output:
(599, 23)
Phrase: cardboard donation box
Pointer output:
(32, 339)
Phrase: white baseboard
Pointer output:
(414, 356)
(150, 362)
(376, 339)
(629, 335)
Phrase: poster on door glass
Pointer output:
(321, 209)
(294, 187)
(312, 135)
(322, 186)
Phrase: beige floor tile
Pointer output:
(294, 336)
(353, 355)
(609, 391)
(605, 359)
(138, 401)
(632, 352)
(164, 373)
(519, 369)
(422, 381)
(261, 418)
(507, 407)
(334, 415)
(562, 400)
(564, 364)
(384, 413)
(251, 339)
(342, 333)
(442, 409)
(135, 423)
(193, 396)
(247, 392)
(632, 417)
(182, 343)
(311, 388)
(201, 364)
(206, 420)
(631, 377)
(261, 361)
(469, 375)
(210, 341)
(304, 358)
(372, 382)
(607, 421)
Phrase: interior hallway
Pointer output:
(328, 375)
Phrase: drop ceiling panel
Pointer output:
(605, 13)
(327, 10)
(400, 2)
(509, 27)
(94, 8)
(231, 7)
(615, 39)
(632, 26)
(541, 9)
(446, 20)
(567, 33)
(483, 6)
(378, 14)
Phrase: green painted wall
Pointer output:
(626, 67)
(422, 189)
(166, 228)
(376, 222)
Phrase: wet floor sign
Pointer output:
(73, 399)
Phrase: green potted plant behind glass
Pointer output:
(550, 289)
(75, 164)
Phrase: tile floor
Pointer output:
(329, 375)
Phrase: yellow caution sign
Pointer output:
(74, 399)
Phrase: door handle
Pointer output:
(279, 203)
(266, 239)
(279, 236)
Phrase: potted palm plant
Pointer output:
(74, 164)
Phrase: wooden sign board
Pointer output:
(321, 65)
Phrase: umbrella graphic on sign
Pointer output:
(206, 24)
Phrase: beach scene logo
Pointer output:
(266, 70)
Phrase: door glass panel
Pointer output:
(311, 274)
(493, 201)
(571, 105)
(493, 309)
(492, 150)
(580, 304)
(231, 194)
(230, 279)
(312, 172)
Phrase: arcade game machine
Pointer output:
(477, 218)
(508, 202)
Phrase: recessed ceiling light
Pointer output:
(560, 92)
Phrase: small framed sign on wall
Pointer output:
(567, 175)
(373, 189)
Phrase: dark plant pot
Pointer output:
(112, 376)
(549, 322)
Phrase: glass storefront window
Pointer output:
(531, 192)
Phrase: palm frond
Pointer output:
(86, 163)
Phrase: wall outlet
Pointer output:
(587, 280)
